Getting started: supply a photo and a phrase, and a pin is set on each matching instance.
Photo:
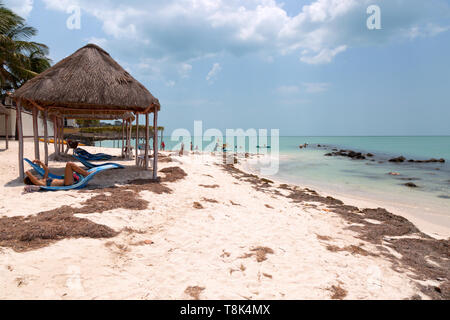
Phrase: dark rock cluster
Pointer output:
(403, 159)
(350, 154)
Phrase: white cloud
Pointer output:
(22, 7)
(324, 56)
(316, 87)
(184, 70)
(101, 42)
(170, 83)
(212, 74)
(186, 30)
(308, 87)
(286, 90)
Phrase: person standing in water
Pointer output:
(181, 150)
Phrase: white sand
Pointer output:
(191, 247)
(436, 226)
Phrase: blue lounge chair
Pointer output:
(83, 180)
(41, 171)
(90, 165)
(79, 185)
(91, 157)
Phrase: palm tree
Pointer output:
(20, 59)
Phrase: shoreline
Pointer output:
(433, 229)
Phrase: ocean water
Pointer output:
(366, 179)
(370, 180)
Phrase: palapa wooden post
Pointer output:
(146, 139)
(20, 133)
(6, 131)
(137, 139)
(155, 144)
(129, 140)
(126, 139)
(36, 134)
(46, 136)
(55, 136)
(123, 134)
(61, 136)
(58, 135)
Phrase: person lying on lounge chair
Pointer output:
(71, 176)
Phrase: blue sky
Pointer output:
(304, 67)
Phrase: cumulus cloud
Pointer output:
(184, 70)
(22, 7)
(212, 74)
(186, 30)
(286, 90)
(316, 87)
(308, 87)
(324, 56)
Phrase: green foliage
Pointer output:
(88, 123)
(20, 59)
(115, 129)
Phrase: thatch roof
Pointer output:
(91, 80)
(3, 109)
(86, 115)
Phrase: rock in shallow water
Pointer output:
(399, 159)
(411, 185)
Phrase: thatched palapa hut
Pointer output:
(89, 84)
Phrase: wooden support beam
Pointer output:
(127, 141)
(155, 144)
(137, 140)
(20, 133)
(58, 135)
(55, 136)
(123, 134)
(147, 133)
(6, 131)
(131, 136)
(130, 127)
(36, 105)
(36, 133)
(61, 137)
(46, 136)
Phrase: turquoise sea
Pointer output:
(370, 180)
(365, 179)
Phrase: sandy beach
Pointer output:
(207, 231)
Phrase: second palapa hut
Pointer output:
(89, 84)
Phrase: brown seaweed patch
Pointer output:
(323, 238)
(194, 292)
(355, 250)
(33, 232)
(260, 253)
(198, 205)
(166, 159)
(173, 174)
(259, 184)
(213, 186)
(338, 293)
(117, 198)
(147, 185)
(210, 200)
